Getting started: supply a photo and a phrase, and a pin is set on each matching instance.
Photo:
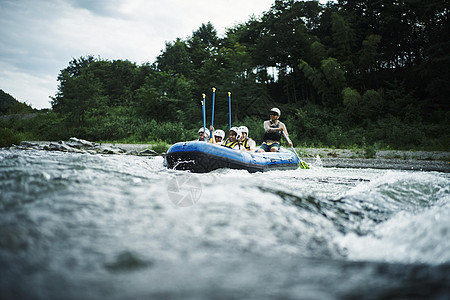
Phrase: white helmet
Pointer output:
(238, 132)
(206, 131)
(220, 133)
(276, 110)
(244, 129)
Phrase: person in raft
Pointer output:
(233, 140)
(248, 143)
(201, 134)
(274, 129)
(218, 135)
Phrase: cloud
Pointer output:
(31, 88)
(39, 38)
(98, 7)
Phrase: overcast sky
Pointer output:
(38, 38)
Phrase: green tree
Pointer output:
(369, 53)
(372, 105)
(175, 59)
(309, 59)
(351, 98)
(78, 91)
(334, 74)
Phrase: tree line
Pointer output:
(348, 73)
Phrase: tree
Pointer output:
(335, 76)
(78, 91)
(298, 54)
(175, 59)
(343, 41)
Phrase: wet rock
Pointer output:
(56, 147)
(111, 151)
(72, 145)
(29, 145)
(80, 144)
(148, 152)
(61, 146)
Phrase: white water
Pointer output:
(419, 229)
(94, 226)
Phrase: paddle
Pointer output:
(229, 111)
(204, 116)
(302, 164)
(214, 100)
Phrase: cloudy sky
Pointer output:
(38, 38)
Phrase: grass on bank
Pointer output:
(157, 146)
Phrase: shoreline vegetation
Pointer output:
(46, 125)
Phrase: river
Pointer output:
(83, 226)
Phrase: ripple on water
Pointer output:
(109, 225)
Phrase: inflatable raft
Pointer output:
(201, 157)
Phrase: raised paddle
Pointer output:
(204, 116)
(213, 102)
(229, 110)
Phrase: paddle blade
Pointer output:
(303, 165)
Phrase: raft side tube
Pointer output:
(201, 157)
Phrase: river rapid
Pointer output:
(83, 226)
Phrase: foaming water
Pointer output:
(414, 225)
(94, 226)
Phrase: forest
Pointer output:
(370, 73)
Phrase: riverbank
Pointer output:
(383, 159)
(376, 154)
(325, 157)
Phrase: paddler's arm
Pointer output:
(212, 139)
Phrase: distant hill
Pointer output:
(9, 105)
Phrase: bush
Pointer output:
(370, 152)
(351, 98)
(160, 147)
(371, 104)
(44, 126)
(8, 138)
(309, 126)
(335, 137)
(255, 128)
(168, 132)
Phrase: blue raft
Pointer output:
(201, 157)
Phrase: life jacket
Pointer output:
(273, 136)
(246, 143)
(230, 144)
